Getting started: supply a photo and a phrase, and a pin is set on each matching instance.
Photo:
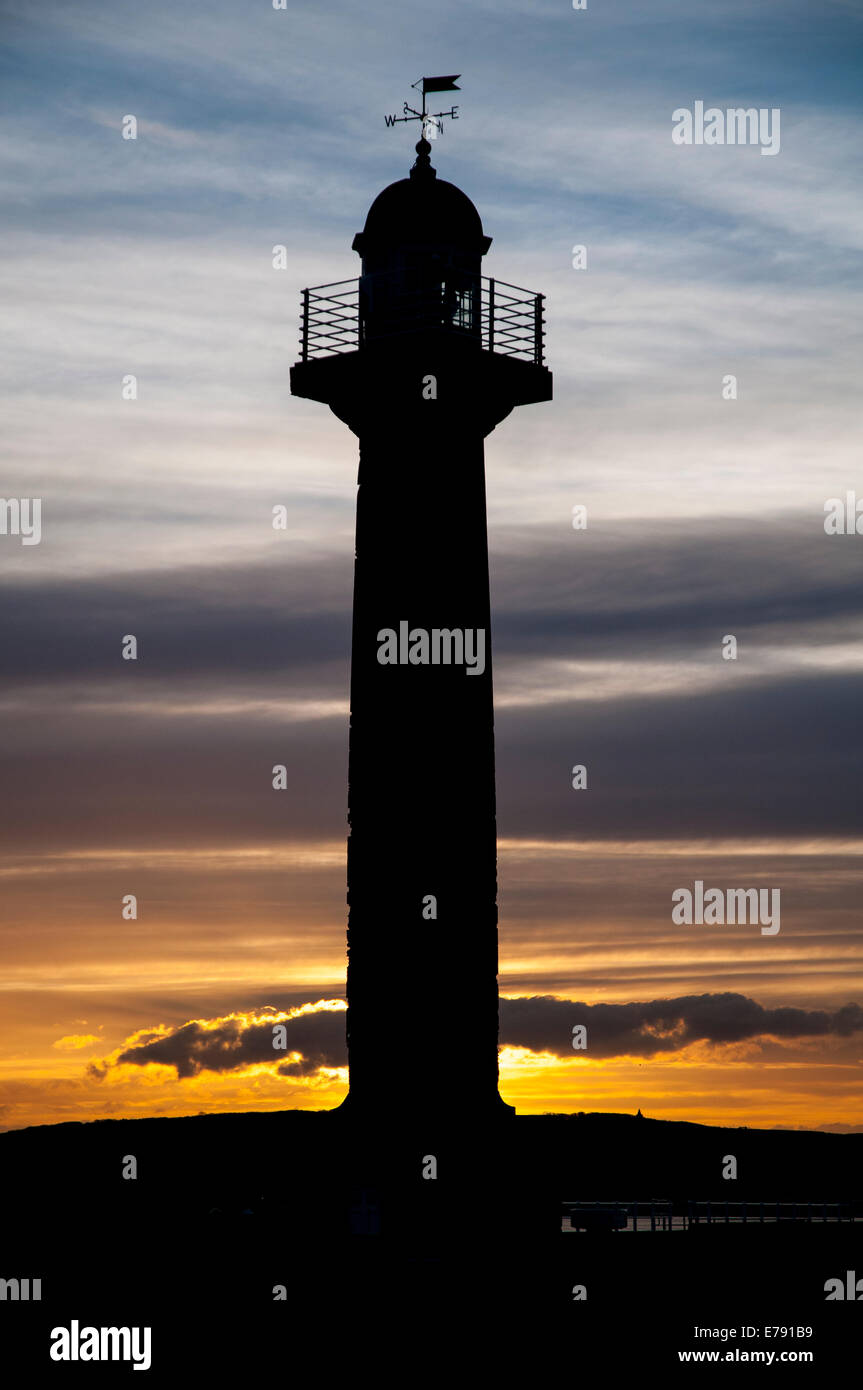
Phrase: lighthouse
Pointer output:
(422, 356)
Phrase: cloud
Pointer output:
(541, 1023)
(544, 1024)
(606, 651)
(621, 590)
(74, 1042)
(315, 1031)
(146, 129)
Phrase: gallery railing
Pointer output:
(348, 314)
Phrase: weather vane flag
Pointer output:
(431, 126)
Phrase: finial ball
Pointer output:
(423, 147)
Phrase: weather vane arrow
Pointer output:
(430, 119)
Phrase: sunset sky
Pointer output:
(153, 257)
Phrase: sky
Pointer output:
(153, 257)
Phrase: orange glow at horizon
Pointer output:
(225, 930)
(719, 1087)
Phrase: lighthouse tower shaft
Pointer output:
(422, 389)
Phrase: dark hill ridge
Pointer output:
(286, 1163)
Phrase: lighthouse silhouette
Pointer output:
(422, 356)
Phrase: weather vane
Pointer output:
(430, 119)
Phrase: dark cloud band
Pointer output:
(540, 1023)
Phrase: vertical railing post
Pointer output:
(305, 346)
(491, 315)
(537, 330)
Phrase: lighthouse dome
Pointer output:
(422, 210)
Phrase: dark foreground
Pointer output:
(248, 1243)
